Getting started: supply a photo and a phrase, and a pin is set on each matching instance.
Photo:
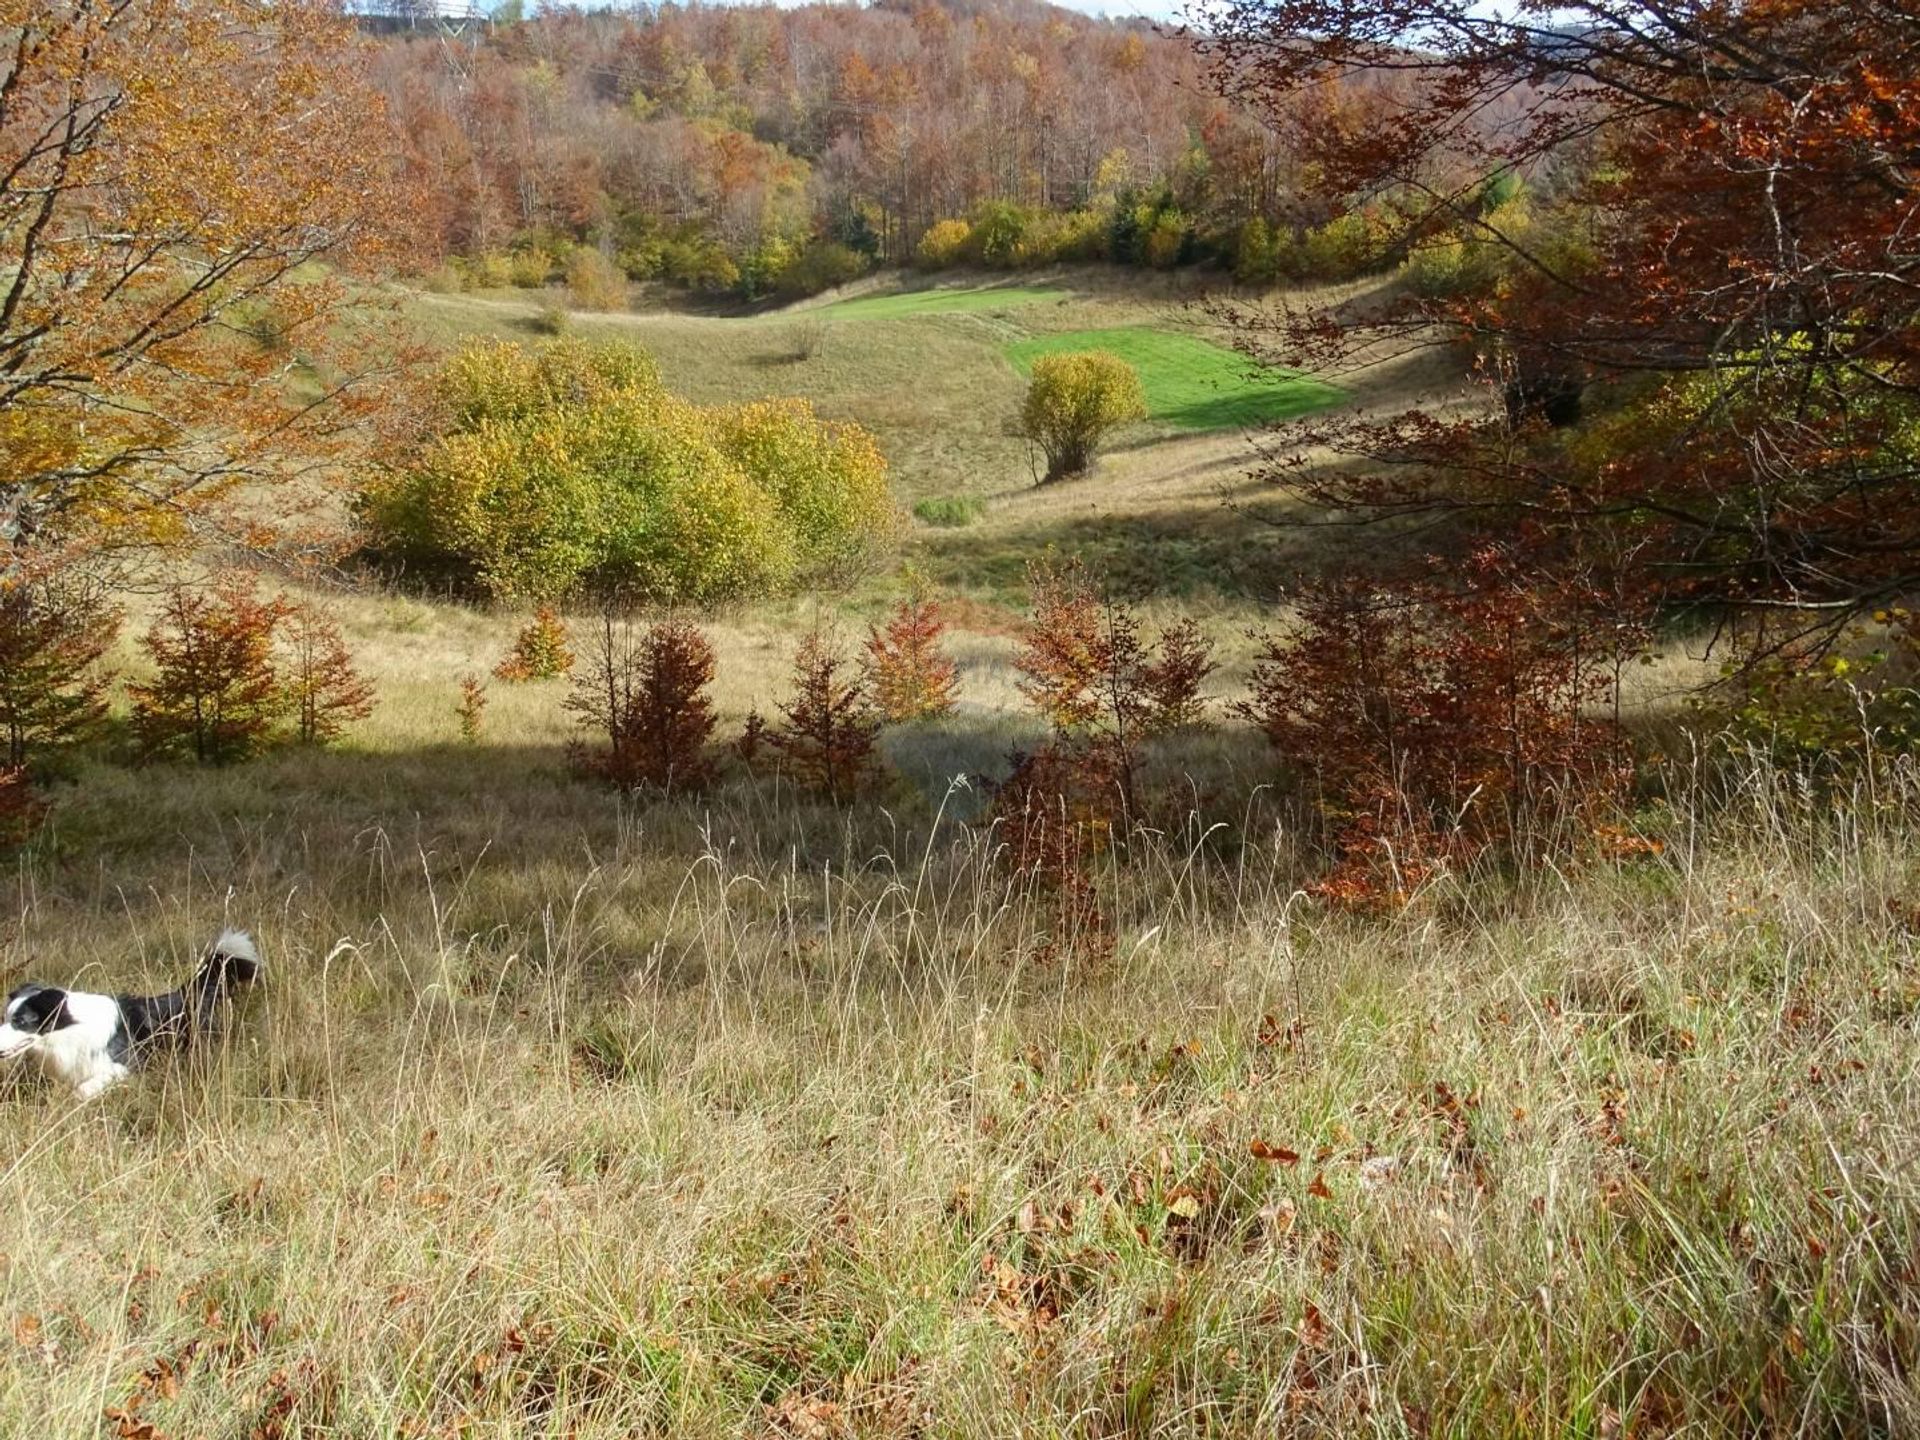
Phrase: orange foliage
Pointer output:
(472, 709)
(827, 742)
(169, 176)
(1441, 720)
(648, 696)
(910, 677)
(215, 693)
(323, 690)
(539, 651)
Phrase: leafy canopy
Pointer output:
(1074, 401)
(538, 472)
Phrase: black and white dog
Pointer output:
(89, 1041)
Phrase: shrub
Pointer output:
(492, 271)
(827, 742)
(450, 277)
(215, 692)
(947, 243)
(552, 318)
(594, 282)
(53, 634)
(1074, 401)
(649, 699)
(1165, 240)
(1087, 673)
(540, 472)
(1345, 247)
(1056, 812)
(1254, 258)
(472, 708)
(1170, 679)
(949, 512)
(21, 807)
(821, 266)
(1444, 717)
(539, 651)
(907, 672)
(529, 269)
(321, 689)
(1828, 702)
(827, 480)
(998, 226)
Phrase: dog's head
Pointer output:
(33, 1013)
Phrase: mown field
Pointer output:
(565, 1113)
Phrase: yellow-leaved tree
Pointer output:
(188, 191)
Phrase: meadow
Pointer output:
(566, 1113)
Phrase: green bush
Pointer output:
(541, 471)
(1074, 401)
(821, 266)
(491, 271)
(530, 269)
(998, 226)
(949, 512)
(828, 481)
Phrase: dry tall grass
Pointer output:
(565, 1117)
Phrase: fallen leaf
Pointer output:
(1318, 1189)
(1313, 1327)
(1277, 1154)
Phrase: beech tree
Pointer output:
(170, 173)
(1704, 321)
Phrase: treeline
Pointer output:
(763, 150)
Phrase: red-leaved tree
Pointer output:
(323, 690)
(646, 693)
(827, 741)
(215, 694)
(1440, 718)
(909, 674)
(1693, 281)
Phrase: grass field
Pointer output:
(1191, 383)
(567, 1115)
(942, 301)
(1150, 515)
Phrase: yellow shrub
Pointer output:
(946, 243)
(544, 470)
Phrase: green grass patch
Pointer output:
(942, 301)
(949, 512)
(1191, 384)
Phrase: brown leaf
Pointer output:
(1313, 1328)
(1276, 1154)
(1318, 1188)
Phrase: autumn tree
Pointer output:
(539, 650)
(1074, 401)
(647, 694)
(1698, 302)
(910, 676)
(827, 741)
(322, 690)
(54, 632)
(187, 195)
(215, 694)
(1450, 714)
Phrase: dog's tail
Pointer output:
(231, 962)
